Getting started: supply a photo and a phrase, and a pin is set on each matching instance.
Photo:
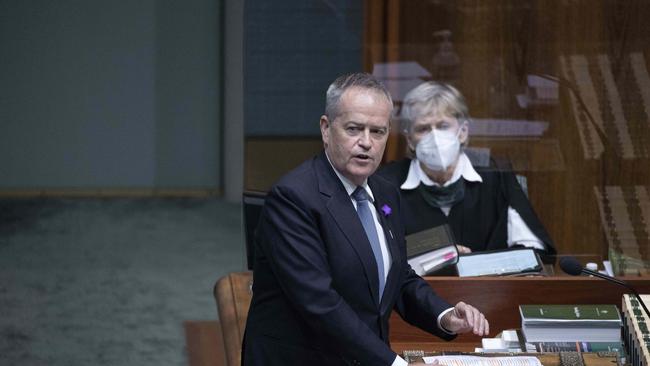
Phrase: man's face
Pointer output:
(356, 139)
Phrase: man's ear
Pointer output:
(324, 129)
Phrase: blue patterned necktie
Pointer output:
(363, 210)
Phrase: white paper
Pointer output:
(400, 77)
(483, 361)
(399, 70)
(510, 336)
(493, 343)
(509, 261)
(507, 127)
(398, 88)
(535, 81)
(428, 261)
(608, 268)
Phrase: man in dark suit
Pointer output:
(330, 261)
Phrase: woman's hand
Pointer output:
(463, 249)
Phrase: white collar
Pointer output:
(348, 185)
(463, 169)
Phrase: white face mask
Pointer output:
(438, 149)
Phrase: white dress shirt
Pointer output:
(350, 188)
(518, 231)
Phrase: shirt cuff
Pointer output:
(520, 233)
(440, 318)
(399, 361)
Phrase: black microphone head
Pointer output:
(571, 266)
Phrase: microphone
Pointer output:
(571, 266)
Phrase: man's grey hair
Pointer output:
(347, 81)
(432, 97)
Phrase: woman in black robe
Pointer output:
(484, 206)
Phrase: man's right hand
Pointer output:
(465, 318)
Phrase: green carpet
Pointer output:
(110, 281)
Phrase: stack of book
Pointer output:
(512, 341)
(635, 329)
(556, 347)
(570, 323)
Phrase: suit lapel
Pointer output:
(385, 215)
(342, 210)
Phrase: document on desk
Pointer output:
(483, 361)
(499, 263)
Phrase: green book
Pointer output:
(569, 323)
(583, 315)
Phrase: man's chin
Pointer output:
(360, 174)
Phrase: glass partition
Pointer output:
(559, 89)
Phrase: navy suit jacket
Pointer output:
(315, 285)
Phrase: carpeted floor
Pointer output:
(110, 281)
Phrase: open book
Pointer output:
(483, 361)
(524, 359)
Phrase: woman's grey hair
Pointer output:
(343, 83)
(432, 97)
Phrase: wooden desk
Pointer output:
(233, 296)
(499, 297)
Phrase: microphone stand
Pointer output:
(618, 282)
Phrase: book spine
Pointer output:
(636, 333)
(581, 347)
